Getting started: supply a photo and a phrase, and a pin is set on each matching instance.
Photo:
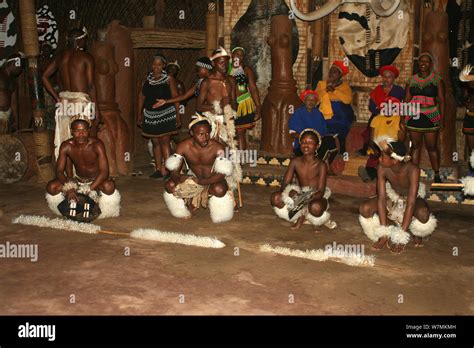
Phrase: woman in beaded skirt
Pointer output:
(160, 123)
(425, 90)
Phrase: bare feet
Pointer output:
(397, 248)
(380, 243)
(418, 242)
(192, 208)
(298, 223)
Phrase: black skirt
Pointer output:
(159, 122)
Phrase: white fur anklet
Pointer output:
(176, 206)
(221, 208)
(53, 202)
(420, 229)
(320, 220)
(369, 225)
(109, 205)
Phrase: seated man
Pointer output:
(184, 194)
(308, 201)
(336, 99)
(87, 155)
(404, 204)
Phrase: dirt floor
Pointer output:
(92, 271)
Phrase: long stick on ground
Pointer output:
(240, 195)
(146, 234)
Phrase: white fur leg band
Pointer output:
(109, 205)
(471, 159)
(174, 162)
(53, 202)
(369, 225)
(468, 182)
(398, 236)
(176, 206)
(283, 213)
(320, 220)
(223, 166)
(221, 208)
(420, 229)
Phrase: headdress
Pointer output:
(204, 62)
(339, 64)
(314, 131)
(384, 144)
(391, 68)
(196, 118)
(220, 52)
(307, 92)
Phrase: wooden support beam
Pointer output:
(168, 38)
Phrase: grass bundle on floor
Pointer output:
(351, 259)
(178, 238)
(57, 223)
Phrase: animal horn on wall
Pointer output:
(323, 11)
(383, 8)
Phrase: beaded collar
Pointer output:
(152, 81)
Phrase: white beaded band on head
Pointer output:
(204, 65)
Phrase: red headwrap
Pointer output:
(306, 93)
(391, 68)
(340, 65)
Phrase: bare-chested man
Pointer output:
(8, 74)
(76, 74)
(184, 194)
(311, 173)
(86, 155)
(400, 199)
(217, 99)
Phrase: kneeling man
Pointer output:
(184, 193)
(308, 200)
(400, 199)
(90, 185)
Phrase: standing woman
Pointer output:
(248, 98)
(160, 123)
(425, 90)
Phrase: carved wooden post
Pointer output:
(435, 41)
(282, 99)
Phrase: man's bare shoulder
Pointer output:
(184, 145)
(296, 160)
(96, 143)
(214, 144)
(67, 144)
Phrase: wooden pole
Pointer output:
(31, 48)
(211, 28)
